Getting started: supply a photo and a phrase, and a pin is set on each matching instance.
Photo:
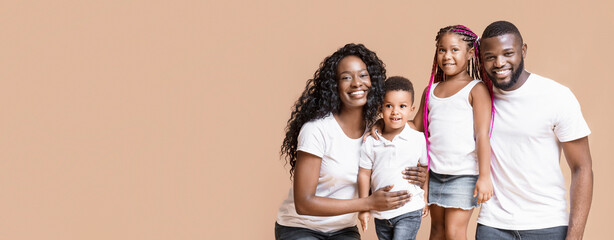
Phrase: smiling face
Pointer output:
(396, 109)
(453, 54)
(353, 82)
(503, 60)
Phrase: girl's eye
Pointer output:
(388, 106)
(364, 75)
(442, 50)
(345, 77)
(455, 50)
(403, 106)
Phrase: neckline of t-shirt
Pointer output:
(453, 95)
(405, 133)
(519, 90)
(340, 130)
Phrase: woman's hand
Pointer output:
(416, 175)
(383, 199)
(377, 127)
(483, 189)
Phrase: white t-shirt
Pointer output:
(338, 174)
(387, 160)
(451, 133)
(530, 122)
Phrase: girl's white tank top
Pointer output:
(452, 146)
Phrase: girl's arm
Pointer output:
(306, 176)
(482, 107)
(418, 119)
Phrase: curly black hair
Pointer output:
(321, 96)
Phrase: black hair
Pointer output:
(321, 96)
(398, 83)
(499, 28)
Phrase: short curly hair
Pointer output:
(321, 96)
(398, 83)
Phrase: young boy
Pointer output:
(382, 162)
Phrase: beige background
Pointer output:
(163, 119)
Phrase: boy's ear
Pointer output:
(413, 107)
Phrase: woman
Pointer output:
(322, 145)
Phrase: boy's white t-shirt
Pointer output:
(338, 174)
(530, 122)
(387, 160)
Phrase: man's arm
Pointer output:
(578, 157)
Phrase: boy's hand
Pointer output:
(364, 218)
(483, 189)
(377, 127)
(425, 210)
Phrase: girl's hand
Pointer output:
(364, 218)
(377, 127)
(383, 199)
(425, 210)
(416, 175)
(483, 189)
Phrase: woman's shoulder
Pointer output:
(318, 124)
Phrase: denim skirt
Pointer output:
(452, 191)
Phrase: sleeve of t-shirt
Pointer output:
(570, 124)
(366, 154)
(424, 158)
(311, 139)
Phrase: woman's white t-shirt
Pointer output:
(338, 174)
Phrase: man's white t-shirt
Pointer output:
(387, 160)
(530, 123)
(338, 174)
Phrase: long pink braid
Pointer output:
(480, 74)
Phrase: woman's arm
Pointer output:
(482, 109)
(306, 202)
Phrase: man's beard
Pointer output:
(515, 76)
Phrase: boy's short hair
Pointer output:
(398, 83)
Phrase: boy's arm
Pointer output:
(482, 109)
(425, 187)
(578, 155)
(364, 182)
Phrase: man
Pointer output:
(534, 118)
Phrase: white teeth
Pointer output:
(502, 72)
(357, 93)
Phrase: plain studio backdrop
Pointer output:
(164, 119)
